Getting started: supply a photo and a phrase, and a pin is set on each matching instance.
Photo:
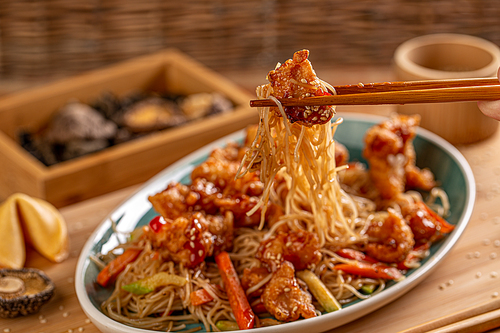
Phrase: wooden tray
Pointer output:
(124, 164)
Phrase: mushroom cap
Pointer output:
(38, 289)
(79, 121)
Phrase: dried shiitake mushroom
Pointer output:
(152, 114)
(23, 291)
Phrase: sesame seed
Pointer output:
(287, 290)
(278, 256)
(6, 330)
(493, 255)
(192, 231)
(478, 275)
(81, 329)
(288, 244)
(43, 321)
(486, 241)
(496, 243)
(295, 308)
(493, 274)
(200, 253)
(191, 244)
(477, 254)
(268, 245)
(65, 314)
(193, 238)
(303, 80)
(61, 307)
(87, 321)
(494, 295)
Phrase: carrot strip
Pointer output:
(445, 226)
(116, 266)
(242, 311)
(355, 255)
(200, 296)
(375, 271)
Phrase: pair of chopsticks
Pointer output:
(479, 318)
(403, 92)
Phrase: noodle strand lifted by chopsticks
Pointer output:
(305, 158)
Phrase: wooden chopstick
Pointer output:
(404, 92)
(414, 85)
(478, 318)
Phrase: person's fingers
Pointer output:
(490, 108)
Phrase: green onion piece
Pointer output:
(150, 283)
(226, 325)
(319, 290)
(368, 289)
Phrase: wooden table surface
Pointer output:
(469, 275)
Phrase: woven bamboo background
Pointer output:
(47, 38)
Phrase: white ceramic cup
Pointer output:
(449, 56)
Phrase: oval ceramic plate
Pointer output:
(449, 166)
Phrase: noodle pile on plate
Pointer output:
(281, 227)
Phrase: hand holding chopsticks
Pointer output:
(404, 92)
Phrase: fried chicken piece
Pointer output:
(190, 238)
(419, 178)
(252, 277)
(391, 156)
(296, 78)
(283, 297)
(426, 225)
(221, 168)
(341, 154)
(301, 248)
(390, 240)
(174, 201)
(215, 190)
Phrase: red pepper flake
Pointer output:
(156, 223)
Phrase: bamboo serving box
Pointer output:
(127, 163)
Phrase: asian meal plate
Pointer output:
(445, 161)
